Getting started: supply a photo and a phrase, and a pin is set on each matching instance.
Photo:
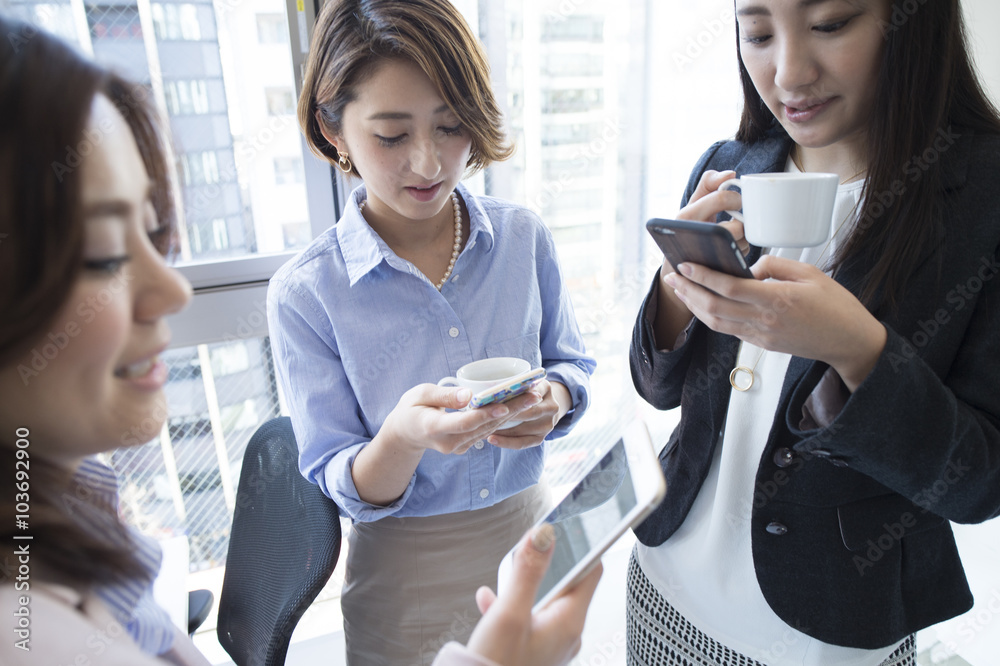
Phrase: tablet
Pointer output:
(622, 486)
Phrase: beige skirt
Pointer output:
(410, 583)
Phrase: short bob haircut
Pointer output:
(353, 37)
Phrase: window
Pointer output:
(558, 27)
(573, 64)
(271, 29)
(600, 149)
(200, 168)
(288, 170)
(280, 101)
(572, 100)
(176, 22)
(114, 22)
(186, 97)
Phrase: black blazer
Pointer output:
(850, 525)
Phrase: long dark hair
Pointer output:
(927, 84)
(46, 92)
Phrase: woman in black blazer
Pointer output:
(807, 518)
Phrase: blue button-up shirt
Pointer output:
(353, 326)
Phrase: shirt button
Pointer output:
(479, 444)
(784, 457)
(776, 528)
(484, 493)
(453, 332)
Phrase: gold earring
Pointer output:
(344, 164)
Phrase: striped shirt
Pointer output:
(130, 599)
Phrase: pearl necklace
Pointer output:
(455, 248)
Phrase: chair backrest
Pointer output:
(283, 547)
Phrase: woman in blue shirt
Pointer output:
(416, 279)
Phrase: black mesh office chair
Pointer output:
(283, 548)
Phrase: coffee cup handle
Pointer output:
(449, 381)
(728, 185)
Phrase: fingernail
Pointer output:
(685, 269)
(543, 538)
(671, 279)
(463, 395)
(500, 410)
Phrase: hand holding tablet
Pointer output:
(619, 489)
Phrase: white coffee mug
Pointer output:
(786, 209)
(487, 373)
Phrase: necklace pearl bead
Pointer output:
(455, 248)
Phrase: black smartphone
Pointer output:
(703, 243)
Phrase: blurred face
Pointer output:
(815, 64)
(410, 148)
(94, 380)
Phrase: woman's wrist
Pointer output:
(861, 360)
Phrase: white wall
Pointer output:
(983, 19)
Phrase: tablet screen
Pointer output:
(593, 509)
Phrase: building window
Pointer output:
(572, 100)
(573, 64)
(573, 28)
(280, 101)
(114, 22)
(271, 29)
(176, 22)
(186, 97)
(220, 234)
(200, 168)
(288, 170)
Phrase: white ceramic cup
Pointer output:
(786, 209)
(487, 373)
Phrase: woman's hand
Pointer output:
(510, 634)
(537, 420)
(798, 310)
(706, 202)
(421, 421)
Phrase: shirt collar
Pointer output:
(364, 250)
